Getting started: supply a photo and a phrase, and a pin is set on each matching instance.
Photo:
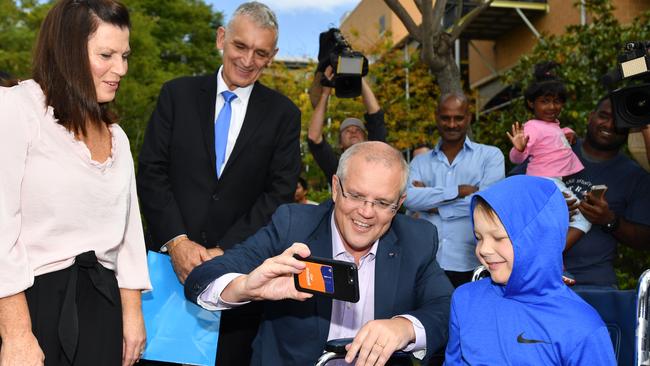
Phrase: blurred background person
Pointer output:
(301, 192)
(72, 254)
(351, 131)
(420, 149)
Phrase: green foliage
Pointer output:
(18, 25)
(585, 53)
(164, 45)
(410, 121)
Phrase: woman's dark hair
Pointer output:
(546, 84)
(61, 66)
(7, 80)
(303, 183)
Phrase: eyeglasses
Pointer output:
(361, 201)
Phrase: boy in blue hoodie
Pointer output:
(523, 314)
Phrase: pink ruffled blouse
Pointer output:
(56, 202)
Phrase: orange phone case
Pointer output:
(328, 277)
(314, 277)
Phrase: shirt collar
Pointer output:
(242, 93)
(469, 144)
(337, 242)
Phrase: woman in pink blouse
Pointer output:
(72, 254)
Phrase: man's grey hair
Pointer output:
(459, 96)
(378, 152)
(259, 13)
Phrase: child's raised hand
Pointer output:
(518, 139)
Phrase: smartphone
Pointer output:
(598, 191)
(328, 277)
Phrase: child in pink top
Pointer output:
(544, 143)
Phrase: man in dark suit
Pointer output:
(404, 295)
(220, 154)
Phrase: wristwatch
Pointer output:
(611, 226)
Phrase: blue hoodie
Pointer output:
(534, 319)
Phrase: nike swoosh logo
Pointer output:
(521, 339)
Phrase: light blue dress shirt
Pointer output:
(476, 164)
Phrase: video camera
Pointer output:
(349, 65)
(631, 103)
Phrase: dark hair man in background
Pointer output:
(622, 215)
(443, 180)
(207, 136)
(302, 188)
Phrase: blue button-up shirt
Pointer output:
(476, 164)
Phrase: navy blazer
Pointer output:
(408, 280)
(177, 182)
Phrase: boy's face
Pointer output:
(493, 246)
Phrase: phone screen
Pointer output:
(317, 277)
(599, 191)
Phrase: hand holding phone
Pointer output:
(328, 277)
(598, 191)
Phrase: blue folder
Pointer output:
(177, 330)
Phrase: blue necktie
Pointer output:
(221, 127)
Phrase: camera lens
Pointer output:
(637, 103)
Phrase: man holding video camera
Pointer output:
(622, 215)
(351, 131)
(404, 294)
(349, 81)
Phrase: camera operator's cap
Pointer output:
(351, 121)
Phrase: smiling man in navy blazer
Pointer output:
(404, 295)
(220, 154)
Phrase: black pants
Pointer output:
(98, 313)
(237, 330)
(459, 278)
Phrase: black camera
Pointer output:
(631, 103)
(349, 65)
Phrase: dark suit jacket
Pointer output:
(177, 183)
(408, 280)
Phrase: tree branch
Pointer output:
(436, 15)
(406, 19)
(428, 33)
(461, 24)
(418, 3)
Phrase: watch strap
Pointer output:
(612, 226)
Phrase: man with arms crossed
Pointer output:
(207, 138)
(400, 283)
(443, 180)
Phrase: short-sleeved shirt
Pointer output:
(590, 260)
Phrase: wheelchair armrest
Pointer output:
(335, 349)
(338, 346)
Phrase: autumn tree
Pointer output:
(436, 42)
(585, 53)
(164, 45)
